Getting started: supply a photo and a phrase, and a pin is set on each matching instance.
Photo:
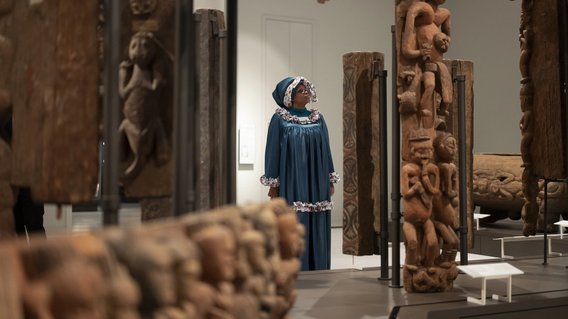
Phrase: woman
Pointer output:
(299, 167)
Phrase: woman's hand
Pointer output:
(331, 189)
(273, 192)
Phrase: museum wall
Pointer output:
(484, 31)
(336, 27)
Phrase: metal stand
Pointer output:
(395, 190)
(545, 215)
(110, 199)
(462, 169)
(382, 74)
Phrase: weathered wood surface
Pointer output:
(155, 179)
(427, 101)
(361, 154)
(548, 145)
(233, 262)
(211, 124)
(7, 198)
(54, 85)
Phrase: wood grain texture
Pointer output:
(547, 148)
(55, 83)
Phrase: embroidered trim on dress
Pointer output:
(309, 86)
(334, 177)
(288, 117)
(312, 207)
(269, 181)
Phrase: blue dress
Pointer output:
(298, 160)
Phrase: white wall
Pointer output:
(486, 32)
(209, 4)
(339, 26)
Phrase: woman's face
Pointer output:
(302, 96)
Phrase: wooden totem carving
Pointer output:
(429, 177)
(361, 166)
(146, 89)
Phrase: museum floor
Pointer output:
(357, 293)
(351, 289)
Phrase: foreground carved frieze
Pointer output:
(234, 262)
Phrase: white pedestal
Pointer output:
(491, 271)
(477, 217)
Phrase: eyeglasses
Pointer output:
(303, 91)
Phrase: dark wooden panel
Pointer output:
(547, 148)
(54, 87)
(361, 153)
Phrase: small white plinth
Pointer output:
(491, 271)
(477, 217)
(561, 224)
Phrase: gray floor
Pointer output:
(357, 293)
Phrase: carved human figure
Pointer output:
(151, 265)
(218, 255)
(446, 201)
(420, 181)
(142, 7)
(194, 295)
(141, 79)
(77, 291)
(58, 283)
(426, 38)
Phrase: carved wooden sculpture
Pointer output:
(142, 78)
(428, 177)
(179, 269)
(146, 89)
(498, 190)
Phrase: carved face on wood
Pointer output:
(142, 49)
(446, 146)
(442, 42)
(218, 249)
(142, 6)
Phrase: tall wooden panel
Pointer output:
(54, 86)
(361, 153)
(211, 126)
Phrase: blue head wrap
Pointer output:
(286, 89)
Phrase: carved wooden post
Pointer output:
(211, 112)
(429, 175)
(361, 169)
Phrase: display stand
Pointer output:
(561, 224)
(524, 238)
(491, 271)
(477, 217)
(545, 215)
